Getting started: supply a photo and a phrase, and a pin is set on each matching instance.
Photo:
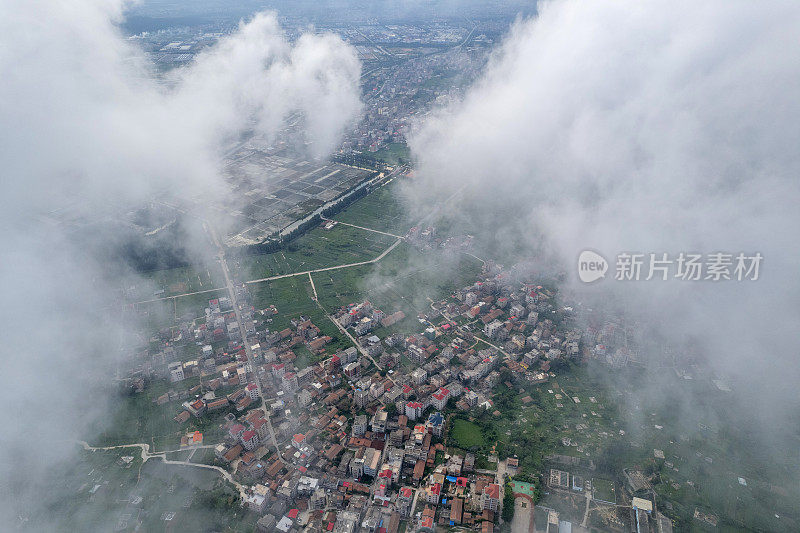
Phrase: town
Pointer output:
(376, 373)
(385, 435)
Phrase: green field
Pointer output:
(404, 280)
(382, 210)
(194, 305)
(393, 154)
(136, 418)
(466, 434)
(318, 248)
(702, 460)
(522, 487)
(293, 298)
(172, 281)
(603, 489)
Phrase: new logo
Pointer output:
(591, 266)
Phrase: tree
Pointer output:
(508, 504)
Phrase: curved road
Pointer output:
(146, 455)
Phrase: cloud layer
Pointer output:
(87, 126)
(650, 127)
(82, 108)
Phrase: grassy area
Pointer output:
(137, 419)
(318, 248)
(293, 298)
(702, 460)
(603, 489)
(404, 280)
(153, 316)
(381, 210)
(204, 456)
(181, 455)
(466, 434)
(194, 305)
(172, 281)
(393, 154)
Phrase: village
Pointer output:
(361, 439)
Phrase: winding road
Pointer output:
(146, 455)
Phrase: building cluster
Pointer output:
(354, 441)
(341, 446)
(353, 455)
(394, 96)
(514, 318)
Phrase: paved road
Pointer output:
(342, 328)
(146, 455)
(325, 269)
(476, 257)
(238, 312)
(464, 332)
(178, 296)
(281, 276)
(588, 504)
(352, 339)
(365, 229)
(414, 501)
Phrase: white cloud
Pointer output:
(84, 119)
(655, 126)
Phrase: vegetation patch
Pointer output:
(467, 434)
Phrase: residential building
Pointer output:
(360, 425)
(176, 372)
(414, 410)
(250, 440)
(252, 391)
(490, 499)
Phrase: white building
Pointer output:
(491, 329)
(252, 391)
(372, 460)
(439, 398)
(414, 410)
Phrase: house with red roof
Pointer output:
(298, 440)
(249, 439)
(236, 430)
(414, 410)
(404, 499)
(426, 525)
(432, 493)
(440, 397)
(252, 391)
(490, 499)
